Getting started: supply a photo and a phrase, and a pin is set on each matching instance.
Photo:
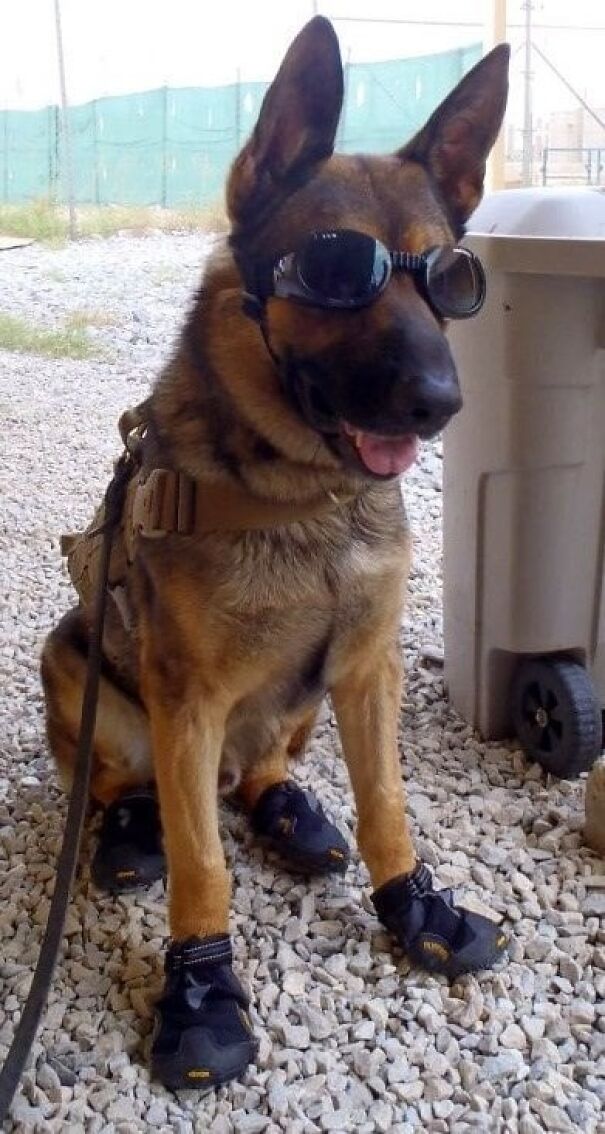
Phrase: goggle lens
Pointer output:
(455, 282)
(346, 267)
(342, 268)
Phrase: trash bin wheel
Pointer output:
(556, 715)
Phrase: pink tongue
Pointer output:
(387, 455)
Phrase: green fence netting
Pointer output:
(173, 146)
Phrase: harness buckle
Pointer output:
(164, 504)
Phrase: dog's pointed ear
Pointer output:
(454, 144)
(297, 124)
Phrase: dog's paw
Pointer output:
(434, 932)
(129, 851)
(203, 1034)
(293, 824)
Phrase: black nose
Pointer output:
(420, 375)
(429, 401)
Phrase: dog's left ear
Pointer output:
(296, 126)
(454, 144)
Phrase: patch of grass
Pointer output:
(82, 318)
(165, 273)
(38, 219)
(49, 223)
(26, 338)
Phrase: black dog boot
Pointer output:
(203, 1034)
(129, 852)
(292, 822)
(436, 934)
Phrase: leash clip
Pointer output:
(133, 427)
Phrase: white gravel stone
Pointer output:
(533, 1026)
(429, 1019)
(296, 1036)
(594, 905)
(570, 969)
(443, 1109)
(122, 1110)
(594, 831)
(381, 1114)
(505, 1064)
(156, 1115)
(581, 1012)
(319, 1025)
(251, 1124)
(553, 1117)
(294, 983)
(350, 1038)
(377, 1012)
(410, 1092)
(513, 1037)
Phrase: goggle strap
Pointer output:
(252, 306)
(408, 261)
(257, 276)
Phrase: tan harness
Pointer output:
(162, 501)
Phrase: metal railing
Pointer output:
(584, 165)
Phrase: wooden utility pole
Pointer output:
(495, 32)
(528, 130)
(65, 129)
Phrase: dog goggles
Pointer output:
(346, 269)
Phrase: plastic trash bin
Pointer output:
(524, 481)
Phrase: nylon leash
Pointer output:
(70, 847)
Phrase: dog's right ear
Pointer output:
(454, 144)
(296, 126)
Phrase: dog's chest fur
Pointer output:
(274, 600)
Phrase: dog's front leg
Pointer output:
(366, 704)
(187, 740)
(203, 1035)
(434, 932)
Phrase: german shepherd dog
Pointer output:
(313, 361)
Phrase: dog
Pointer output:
(262, 557)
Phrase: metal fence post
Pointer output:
(164, 189)
(95, 152)
(50, 119)
(238, 109)
(66, 128)
(57, 154)
(342, 128)
(5, 114)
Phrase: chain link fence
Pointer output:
(172, 146)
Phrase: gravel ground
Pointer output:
(351, 1039)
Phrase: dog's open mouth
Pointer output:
(380, 454)
(383, 455)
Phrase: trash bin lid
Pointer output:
(563, 212)
(557, 232)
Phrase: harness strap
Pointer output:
(159, 502)
(168, 502)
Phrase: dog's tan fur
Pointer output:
(237, 637)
